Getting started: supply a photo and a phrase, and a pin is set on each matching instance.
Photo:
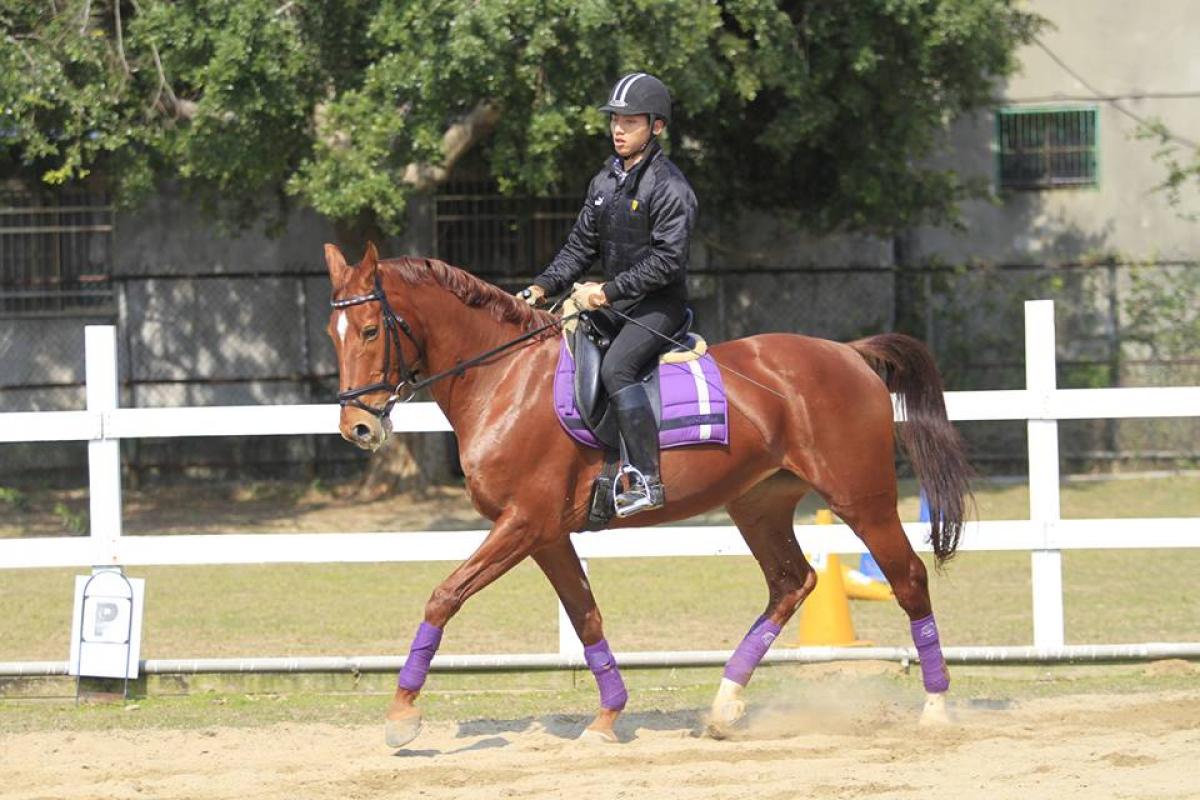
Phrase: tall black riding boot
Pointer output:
(639, 432)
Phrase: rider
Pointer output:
(637, 219)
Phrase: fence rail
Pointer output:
(1045, 535)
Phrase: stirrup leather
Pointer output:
(644, 493)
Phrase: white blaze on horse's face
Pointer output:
(342, 325)
(357, 426)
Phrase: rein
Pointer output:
(460, 368)
(396, 324)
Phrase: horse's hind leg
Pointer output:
(877, 523)
(764, 517)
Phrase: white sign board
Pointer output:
(106, 631)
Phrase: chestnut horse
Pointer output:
(804, 414)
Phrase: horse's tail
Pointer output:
(934, 446)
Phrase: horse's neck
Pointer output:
(457, 334)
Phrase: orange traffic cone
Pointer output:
(825, 615)
(864, 587)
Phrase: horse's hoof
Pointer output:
(935, 713)
(728, 713)
(399, 732)
(719, 728)
(723, 717)
(727, 709)
(716, 730)
(593, 736)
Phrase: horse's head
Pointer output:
(376, 350)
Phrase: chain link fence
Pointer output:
(1118, 324)
(254, 339)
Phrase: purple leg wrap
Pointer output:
(929, 651)
(612, 689)
(751, 651)
(416, 666)
(757, 622)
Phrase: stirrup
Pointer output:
(641, 494)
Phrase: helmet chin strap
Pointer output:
(652, 136)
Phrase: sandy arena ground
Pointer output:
(1089, 746)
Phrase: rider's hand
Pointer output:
(589, 296)
(533, 295)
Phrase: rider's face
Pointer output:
(630, 132)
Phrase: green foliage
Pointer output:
(74, 521)
(1162, 309)
(1182, 163)
(13, 498)
(825, 110)
(1162, 304)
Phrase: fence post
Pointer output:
(104, 455)
(1040, 383)
(568, 640)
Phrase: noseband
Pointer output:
(394, 324)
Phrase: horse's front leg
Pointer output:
(509, 542)
(560, 563)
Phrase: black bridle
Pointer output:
(394, 325)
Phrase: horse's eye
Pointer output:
(370, 332)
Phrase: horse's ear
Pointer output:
(336, 262)
(364, 273)
(371, 257)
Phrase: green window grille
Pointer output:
(1047, 149)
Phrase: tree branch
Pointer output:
(333, 139)
(163, 85)
(174, 106)
(177, 108)
(457, 141)
(120, 37)
(24, 52)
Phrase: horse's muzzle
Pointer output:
(368, 433)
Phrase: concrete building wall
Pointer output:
(1129, 61)
(169, 236)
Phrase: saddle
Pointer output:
(588, 339)
(684, 385)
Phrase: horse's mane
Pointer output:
(472, 291)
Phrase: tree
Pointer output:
(1180, 158)
(823, 111)
(1162, 309)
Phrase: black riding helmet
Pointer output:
(640, 93)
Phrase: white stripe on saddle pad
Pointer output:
(701, 395)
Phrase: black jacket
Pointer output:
(639, 224)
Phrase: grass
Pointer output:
(648, 604)
(351, 609)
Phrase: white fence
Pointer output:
(1045, 535)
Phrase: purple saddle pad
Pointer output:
(693, 402)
